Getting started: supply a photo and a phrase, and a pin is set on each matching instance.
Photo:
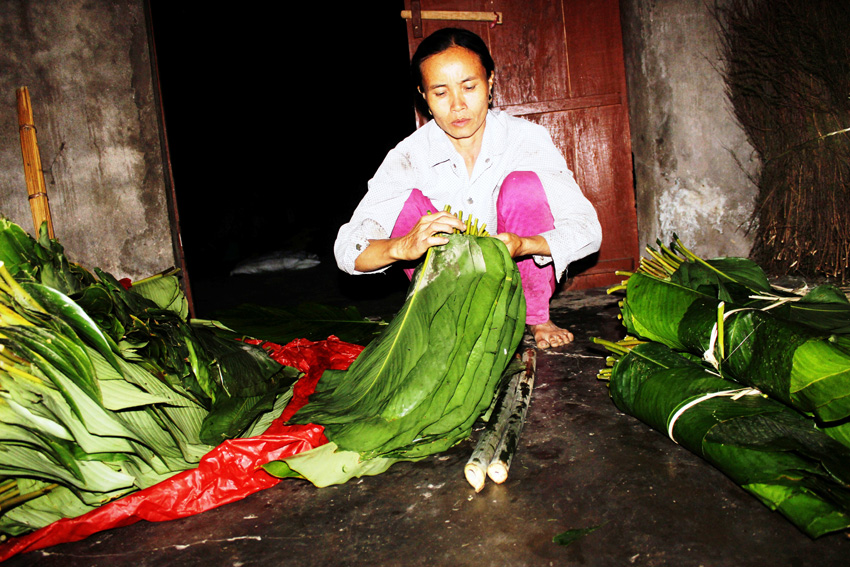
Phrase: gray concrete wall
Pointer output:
(691, 158)
(87, 67)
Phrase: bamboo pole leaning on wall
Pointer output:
(36, 189)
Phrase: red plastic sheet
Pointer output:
(228, 473)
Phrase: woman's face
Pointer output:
(457, 90)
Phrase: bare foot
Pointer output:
(550, 335)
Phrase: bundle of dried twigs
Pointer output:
(788, 78)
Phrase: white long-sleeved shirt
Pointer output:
(427, 160)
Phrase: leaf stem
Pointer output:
(666, 266)
(616, 348)
(9, 503)
(16, 292)
(9, 317)
(669, 254)
(693, 257)
(721, 309)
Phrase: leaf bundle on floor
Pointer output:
(418, 388)
(726, 312)
(105, 390)
(752, 377)
(764, 446)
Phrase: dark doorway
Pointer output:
(276, 119)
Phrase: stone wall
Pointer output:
(692, 160)
(87, 67)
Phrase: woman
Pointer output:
(504, 171)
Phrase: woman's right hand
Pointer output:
(428, 231)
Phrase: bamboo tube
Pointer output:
(457, 16)
(501, 463)
(476, 467)
(39, 205)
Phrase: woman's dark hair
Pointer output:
(438, 42)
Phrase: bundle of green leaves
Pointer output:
(766, 447)
(417, 389)
(796, 348)
(739, 333)
(105, 390)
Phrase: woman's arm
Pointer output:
(525, 245)
(429, 231)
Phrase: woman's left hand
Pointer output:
(524, 245)
(512, 242)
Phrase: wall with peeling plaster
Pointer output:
(692, 160)
(87, 67)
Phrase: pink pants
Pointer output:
(521, 208)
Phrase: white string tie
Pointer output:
(734, 394)
(708, 355)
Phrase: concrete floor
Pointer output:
(581, 464)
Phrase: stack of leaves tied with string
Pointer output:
(752, 377)
(106, 390)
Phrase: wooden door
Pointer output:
(559, 63)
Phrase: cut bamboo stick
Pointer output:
(39, 205)
(455, 15)
(476, 467)
(501, 462)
